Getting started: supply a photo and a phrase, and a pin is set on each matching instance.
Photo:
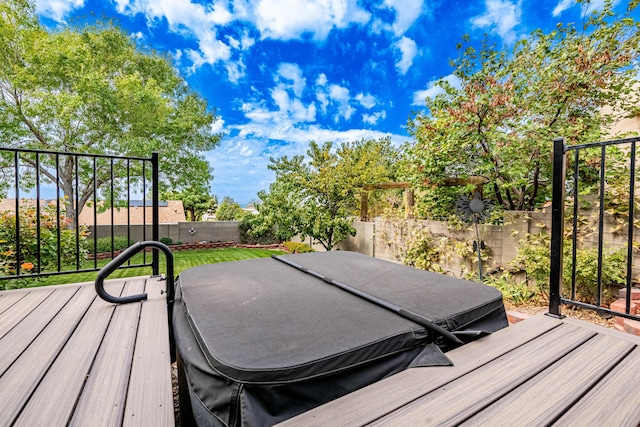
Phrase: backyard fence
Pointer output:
(41, 231)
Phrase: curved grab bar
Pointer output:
(121, 259)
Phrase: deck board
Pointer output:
(67, 356)
(106, 388)
(145, 385)
(532, 373)
(19, 382)
(17, 312)
(79, 352)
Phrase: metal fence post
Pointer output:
(155, 227)
(557, 226)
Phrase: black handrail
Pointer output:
(124, 257)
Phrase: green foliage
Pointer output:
(94, 90)
(195, 200)
(517, 293)
(414, 244)
(318, 196)
(511, 103)
(533, 258)
(229, 210)
(29, 241)
(297, 248)
(166, 240)
(104, 244)
(253, 233)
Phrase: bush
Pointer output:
(517, 293)
(166, 240)
(104, 244)
(297, 248)
(533, 258)
(253, 233)
(49, 247)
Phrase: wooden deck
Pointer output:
(542, 371)
(70, 358)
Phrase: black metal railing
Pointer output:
(126, 256)
(43, 232)
(589, 167)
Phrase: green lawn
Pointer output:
(181, 260)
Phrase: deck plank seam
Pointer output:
(133, 355)
(95, 355)
(529, 375)
(12, 304)
(596, 381)
(66, 341)
(35, 337)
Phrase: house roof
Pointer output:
(170, 211)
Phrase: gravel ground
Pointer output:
(576, 313)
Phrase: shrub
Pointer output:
(104, 244)
(252, 231)
(297, 248)
(517, 293)
(48, 241)
(166, 240)
(533, 258)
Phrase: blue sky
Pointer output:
(284, 72)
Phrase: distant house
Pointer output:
(170, 211)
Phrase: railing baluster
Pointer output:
(574, 235)
(603, 158)
(58, 248)
(38, 213)
(155, 213)
(77, 210)
(95, 214)
(16, 162)
(112, 210)
(632, 202)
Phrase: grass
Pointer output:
(181, 261)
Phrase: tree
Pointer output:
(317, 197)
(195, 200)
(229, 210)
(511, 104)
(93, 90)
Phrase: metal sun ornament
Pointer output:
(476, 210)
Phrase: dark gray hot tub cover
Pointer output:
(261, 341)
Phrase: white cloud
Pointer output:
(407, 12)
(188, 19)
(235, 70)
(432, 90)
(562, 6)
(293, 107)
(340, 98)
(368, 101)
(372, 119)
(501, 16)
(409, 50)
(291, 75)
(218, 125)
(57, 9)
(291, 19)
